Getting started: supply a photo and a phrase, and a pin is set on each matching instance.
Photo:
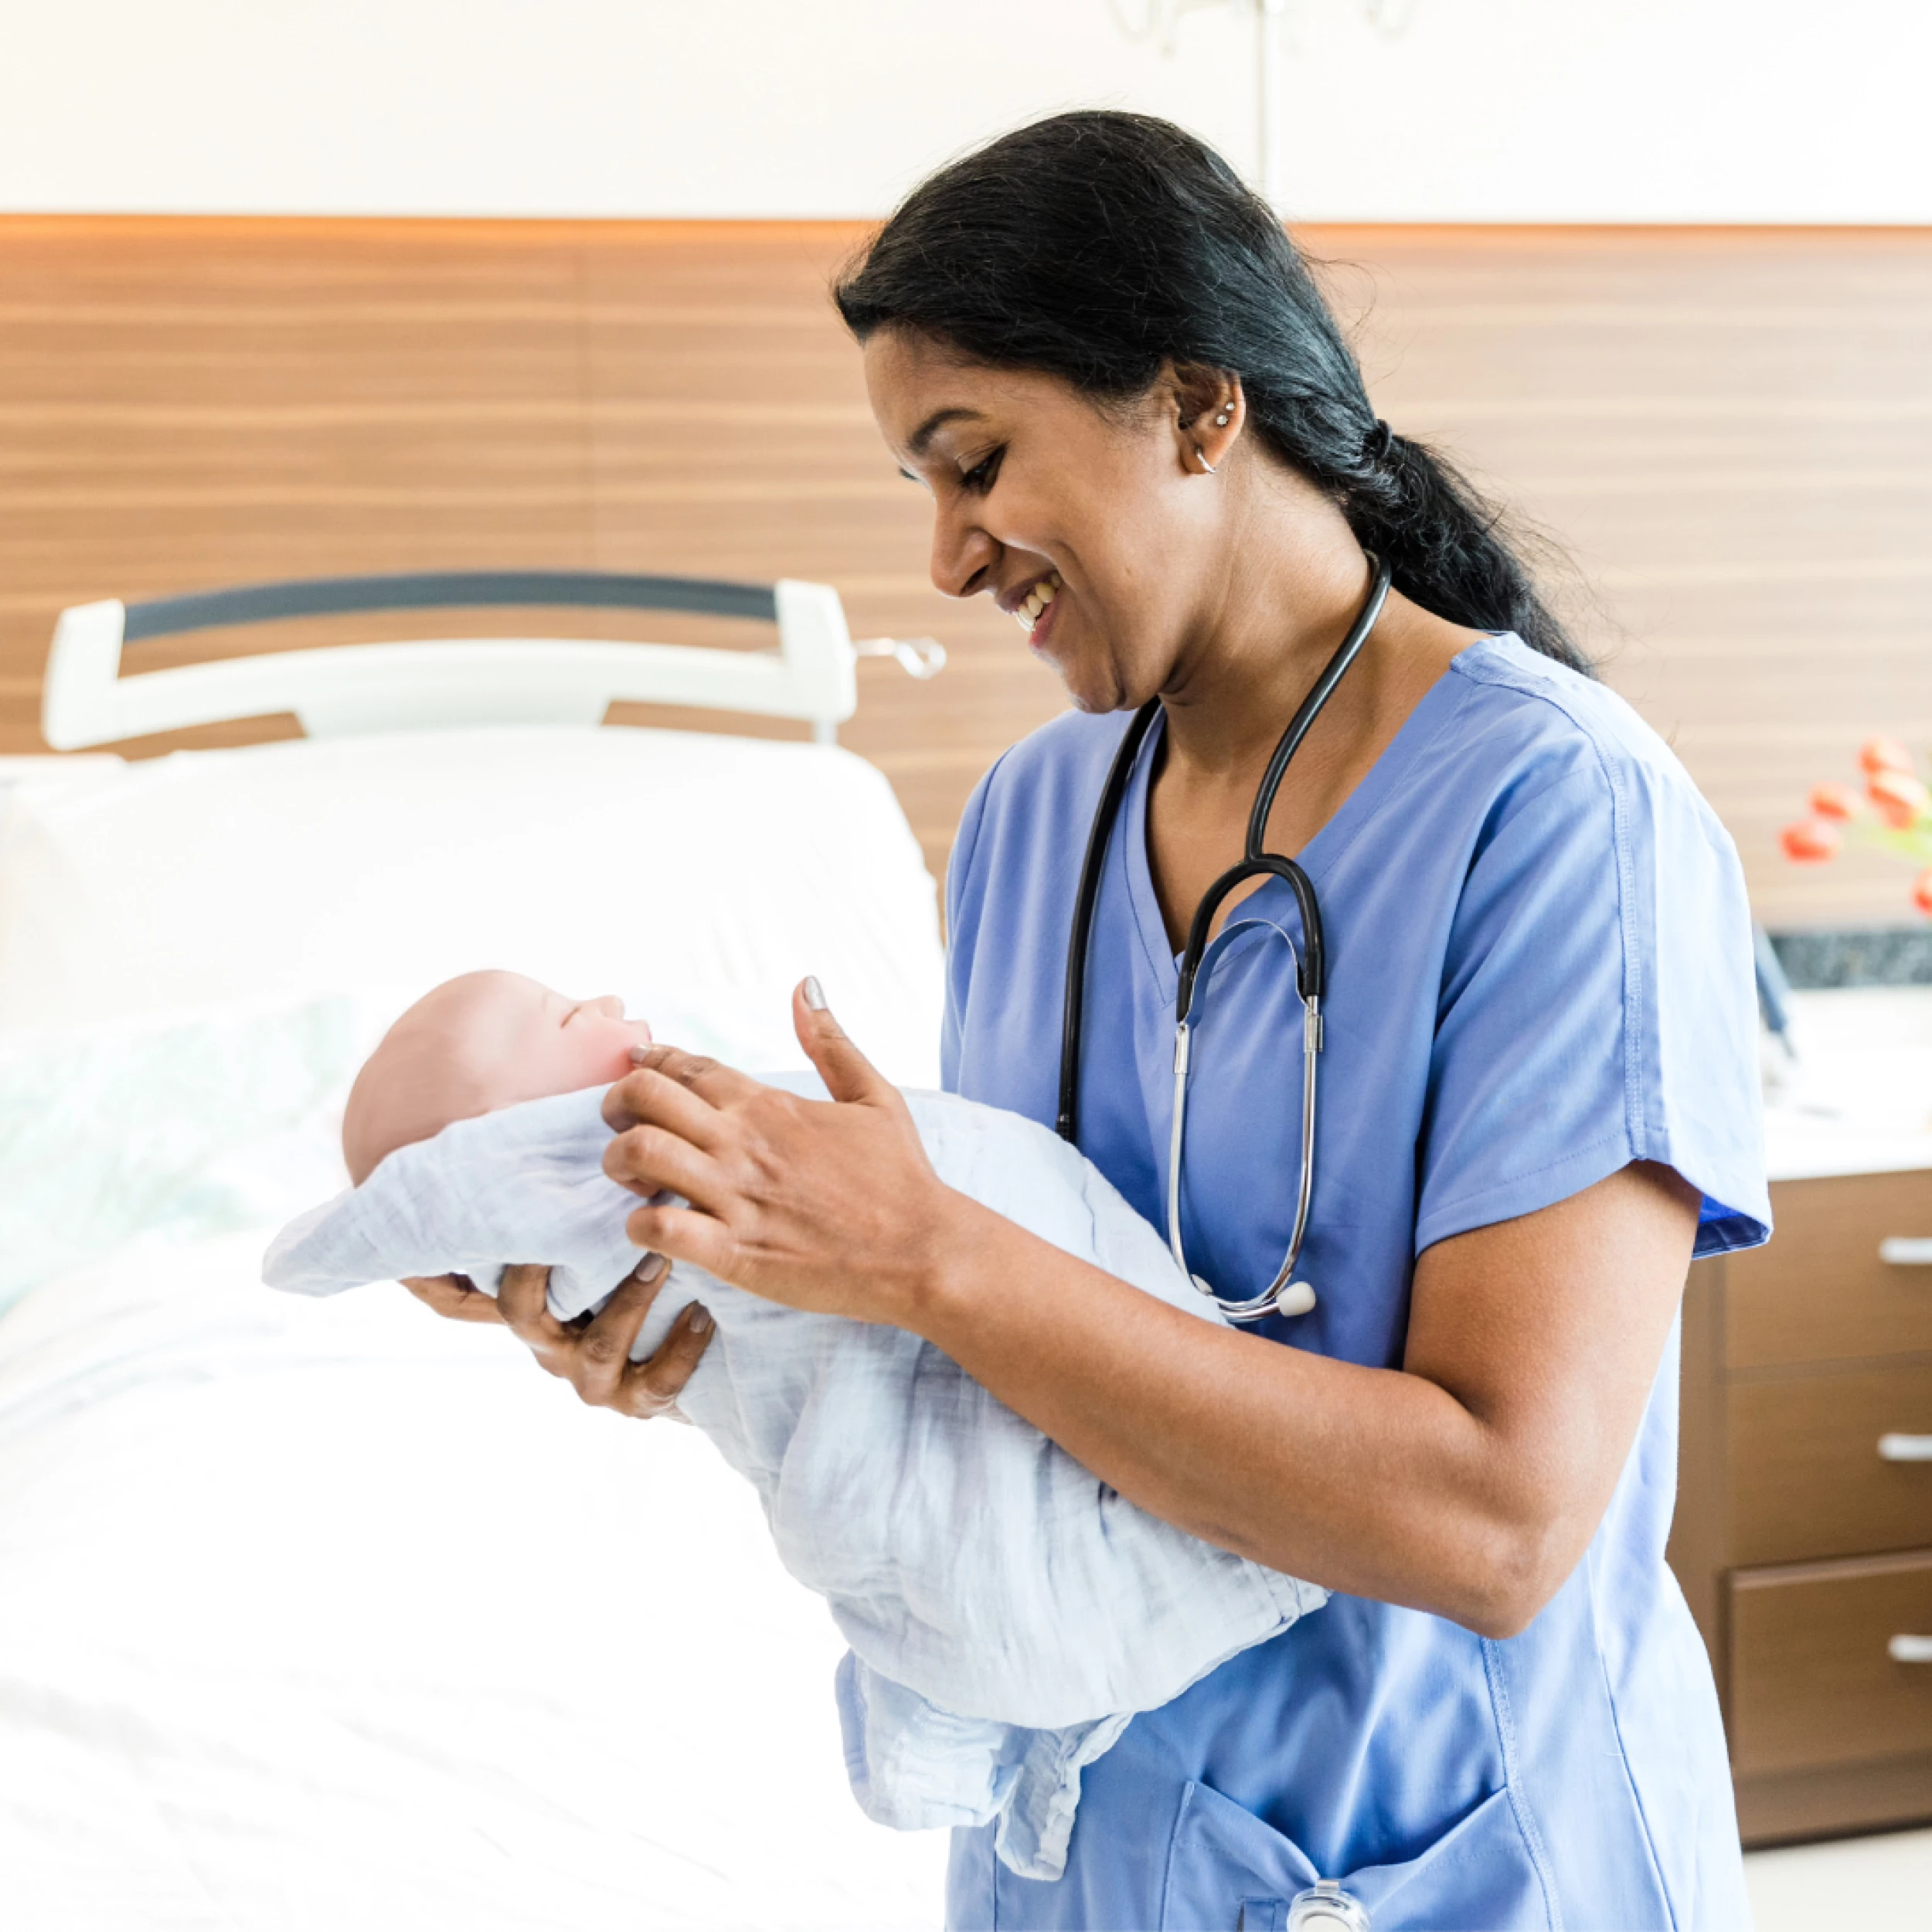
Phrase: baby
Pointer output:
(1008, 1612)
(474, 1045)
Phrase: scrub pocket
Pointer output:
(1226, 1870)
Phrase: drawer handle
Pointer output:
(1897, 1448)
(1910, 1650)
(1906, 1251)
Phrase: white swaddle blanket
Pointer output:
(1008, 1612)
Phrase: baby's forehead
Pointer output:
(486, 994)
(475, 1008)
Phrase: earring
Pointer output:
(1221, 421)
(1200, 456)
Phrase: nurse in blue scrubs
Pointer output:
(1144, 437)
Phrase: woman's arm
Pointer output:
(1468, 1483)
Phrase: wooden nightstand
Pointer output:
(1803, 1536)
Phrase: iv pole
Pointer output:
(1268, 16)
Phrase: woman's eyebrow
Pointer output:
(916, 444)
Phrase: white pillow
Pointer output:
(700, 876)
(172, 1128)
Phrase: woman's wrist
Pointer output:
(941, 1289)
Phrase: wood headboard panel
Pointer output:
(1731, 431)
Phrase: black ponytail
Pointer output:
(1096, 245)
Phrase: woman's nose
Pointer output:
(962, 555)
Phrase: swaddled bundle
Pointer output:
(1008, 1612)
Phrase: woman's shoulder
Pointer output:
(1528, 717)
(1549, 772)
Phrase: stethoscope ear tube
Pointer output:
(1319, 693)
(1074, 1015)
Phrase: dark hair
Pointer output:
(1095, 245)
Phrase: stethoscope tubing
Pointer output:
(1310, 958)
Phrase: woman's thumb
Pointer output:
(848, 1074)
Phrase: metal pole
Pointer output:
(1269, 15)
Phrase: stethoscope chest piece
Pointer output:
(1325, 1907)
(1297, 1299)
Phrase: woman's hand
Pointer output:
(832, 1207)
(592, 1355)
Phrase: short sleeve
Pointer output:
(1597, 1007)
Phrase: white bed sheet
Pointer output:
(300, 1630)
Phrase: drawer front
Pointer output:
(1808, 1479)
(1819, 1292)
(1814, 1681)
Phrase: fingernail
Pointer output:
(700, 1319)
(814, 994)
(651, 1269)
(638, 1054)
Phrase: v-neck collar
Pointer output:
(1318, 857)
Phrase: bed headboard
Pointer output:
(342, 690)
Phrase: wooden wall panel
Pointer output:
(1730, 432)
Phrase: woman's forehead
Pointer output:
(925, 394)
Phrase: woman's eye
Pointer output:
(980, 476)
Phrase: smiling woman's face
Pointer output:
(1091, 518)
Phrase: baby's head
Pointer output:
(475, 1044)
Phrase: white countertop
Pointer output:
(1858, 1100)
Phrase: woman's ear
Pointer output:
(1210, 411)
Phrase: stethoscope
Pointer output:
(1283, 1295)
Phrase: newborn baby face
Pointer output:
(475, 1044)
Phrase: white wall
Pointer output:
(1482, 109)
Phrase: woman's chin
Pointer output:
(1095, 689)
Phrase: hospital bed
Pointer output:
(315, 1615)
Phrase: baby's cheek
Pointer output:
(624, 1037)
(604, 1058)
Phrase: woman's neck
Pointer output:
(1275, 618)
(1268, 635)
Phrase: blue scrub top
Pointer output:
(1539, 970)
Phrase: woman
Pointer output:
(1144, 435)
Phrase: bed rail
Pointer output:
(343, 690)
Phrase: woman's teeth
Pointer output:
(1042, 594)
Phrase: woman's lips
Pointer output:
(1035, 611)
(1036, 634)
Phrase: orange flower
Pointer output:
(1836, 801)
(1809, 840)
(1899, 798)
(1884, 754)
(1922, 891)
